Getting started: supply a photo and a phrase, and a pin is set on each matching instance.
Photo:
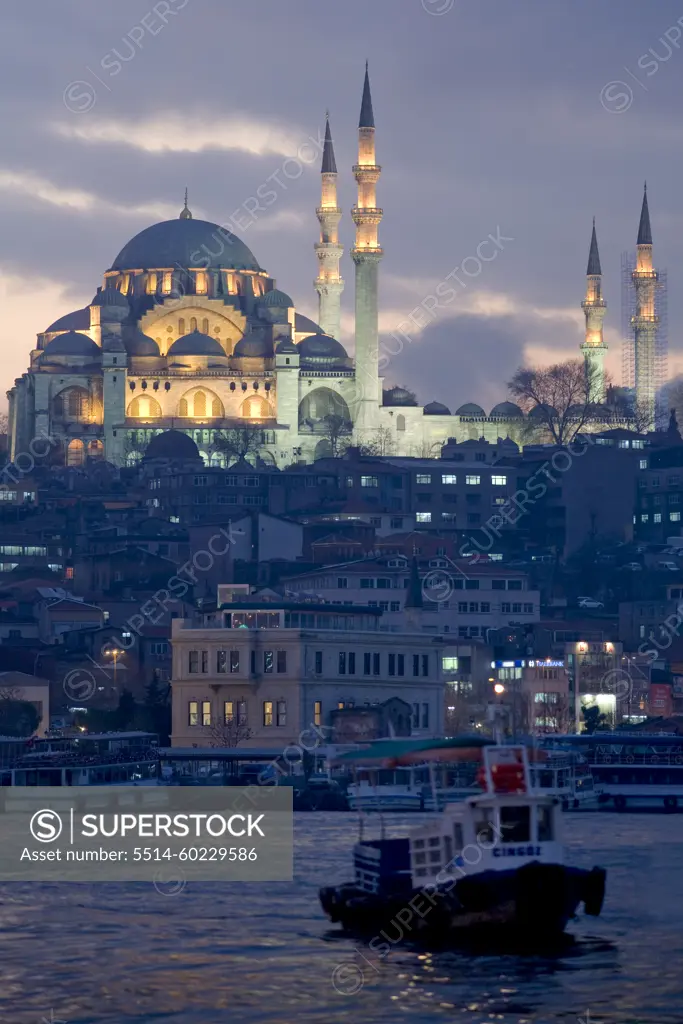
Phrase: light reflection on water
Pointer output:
(259, 954)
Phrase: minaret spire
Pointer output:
(646, 322)
(366, 255)
(329, 284)
(185, 213)
(594, 308)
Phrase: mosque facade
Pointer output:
(188, 332)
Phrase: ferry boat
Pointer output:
(493, 864)
(567, 776)
(634, 771)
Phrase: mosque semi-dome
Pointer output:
(276, 299)
(172, 444)
(72, 344)
(323, 350)
(470, 409)
(195, 344)
(436, 409)
(304, 325)
(254, 345)
(78, 320)
(110, 297)
(138, 344)
(185, 242)
(506, 409)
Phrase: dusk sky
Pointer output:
(520, 120)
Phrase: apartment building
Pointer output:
(260, 672)
(455, 597)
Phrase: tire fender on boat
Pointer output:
(594, 891)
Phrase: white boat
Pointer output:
(493, 864)
(397, 790)
(569, 778)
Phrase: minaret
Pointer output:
(594, 308)
(645, 323)
(185, 213)
(329, 284)
(366, 255)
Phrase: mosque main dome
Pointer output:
(185, 242)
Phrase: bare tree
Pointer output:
(378, 442)
(238, 443)
(639, 412)
(427, 449)
(561, 398)
(229, 733)
(337, 431)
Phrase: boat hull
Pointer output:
(527, 904)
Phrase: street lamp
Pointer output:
(115, 653)
(499, 688)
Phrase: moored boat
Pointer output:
(491, 864)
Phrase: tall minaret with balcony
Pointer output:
(594, 308)
(645, 323)
(366, 255)
(329, 284)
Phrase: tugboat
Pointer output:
(493, 864)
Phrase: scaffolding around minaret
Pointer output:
(628, 352)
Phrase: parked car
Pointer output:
(668, 566)
(590, 602)
(632, 566)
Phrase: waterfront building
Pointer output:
(261, 671)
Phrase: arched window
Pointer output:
(256, 408)
(205, 325)
(193, 324)
(200, 404)
(400, 422)
(182, 407)
(144, 407)
(75, 453)
(217, 408)
(181, 326)
(72, 403)
(95, 450)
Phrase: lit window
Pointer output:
(193, 715)
(472, 479)
(449, 478)
(423, 517)
(267, 712)
(499, 481)
(657, 517)
(675, 517)
(318, 713)
(644, 518)
(423, 478)
(369, 481)
(643, 463)
(449, 663)
(228, 712)
(206, 712)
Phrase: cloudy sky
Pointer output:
(518, 120)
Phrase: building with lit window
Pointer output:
(259, 671)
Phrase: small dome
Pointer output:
(138, 344)
(110, 297)
(506, 409)
(172, 444)
(72, 344)
(398, 396)
(470, 409)
(304, 325)
(286, 347)
(254, 345)
(195, 344)
(539, 411)
(79, 320)
(323, 350)
(276, 298)
(436, 409)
